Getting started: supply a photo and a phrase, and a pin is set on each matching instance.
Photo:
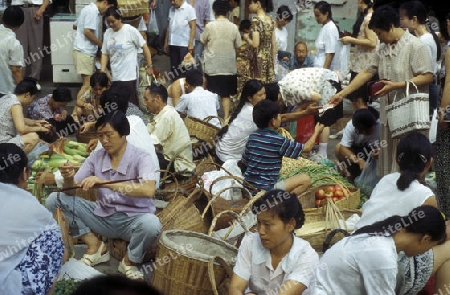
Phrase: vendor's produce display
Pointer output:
(334, 192)
(73, 152)
(66, 287)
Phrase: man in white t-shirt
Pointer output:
(87, 42)
(360, 140)
(198, 102)
(180, 34)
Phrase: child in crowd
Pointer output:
(366, 262)
(361, 139)
(89, 102)
(243, 56)
(52, 109)
(273, 260)
(265, 149)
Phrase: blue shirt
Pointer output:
(307, 63)
(263, 154)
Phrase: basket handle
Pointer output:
(244, 210)
(232, 213)
(211, 274)
(330, 236)
(214, 197)
(168, 174)
(209, 118)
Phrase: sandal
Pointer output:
(131, 272)
(97, 258)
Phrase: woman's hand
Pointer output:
(67, 171)
(86, 126)
(347, 40)
(91, 145)
(336, 99)
(88, 106)
(90, 182)
(149, 70)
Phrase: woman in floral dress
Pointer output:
(262, 39)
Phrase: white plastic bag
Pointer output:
(433, 127)
(344, 59)
(230, 194)
(152, 27)
(77, 270)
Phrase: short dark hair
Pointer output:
(114, 284)
(272, 91)
(113, 11)
(158, 89)
(267, 5)
(27, 85)
(15, 160)
(100, 79)
(118, 121)
(194, 77)
(264, 111)
(111, 2)
(245, 25)
(62, 94)
(13, 17)
(285, 206)
(221, 7)
(383, 18)
(363, 119)
(284, 12)
(116, 94)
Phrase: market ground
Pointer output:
(160, 62)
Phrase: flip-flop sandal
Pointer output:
(131, 272)
(97, 258)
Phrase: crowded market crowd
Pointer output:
(240, 73)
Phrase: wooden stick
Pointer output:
(100, 184)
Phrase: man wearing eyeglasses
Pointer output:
(301, 57)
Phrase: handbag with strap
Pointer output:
(408, 114)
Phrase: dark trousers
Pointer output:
(62, 128)
(163, 163)
(176, 54)
(130, 86)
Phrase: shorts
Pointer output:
(280, 185)
(84, 64)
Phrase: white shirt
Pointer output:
(11, 52)
(34, 2)
(357, 265)
(387, 200)
(89, 18)
(326, 42)
(139, 137)
(232, 144)
(281, 37)
(428, 39)
(179, 29)
(254, 264)
(169, 130)
(350, 138)
(122, 47)
(200, 103)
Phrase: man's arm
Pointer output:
(91, 36)
(192, 25)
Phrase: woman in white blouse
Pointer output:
(273, 260)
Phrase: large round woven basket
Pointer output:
(183, 262)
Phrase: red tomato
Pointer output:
(330, 188)
(339, 194)
(318, 203)
(337, 187)
(335, 199)
(320, 194)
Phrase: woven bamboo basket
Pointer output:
(133, 8)
(185, 256)
(351, 200)
(180, 213)
(203, 134)
(319, 224)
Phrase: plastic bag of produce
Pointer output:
(77, 270)
(368, 178)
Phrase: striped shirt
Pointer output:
(263, 154)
